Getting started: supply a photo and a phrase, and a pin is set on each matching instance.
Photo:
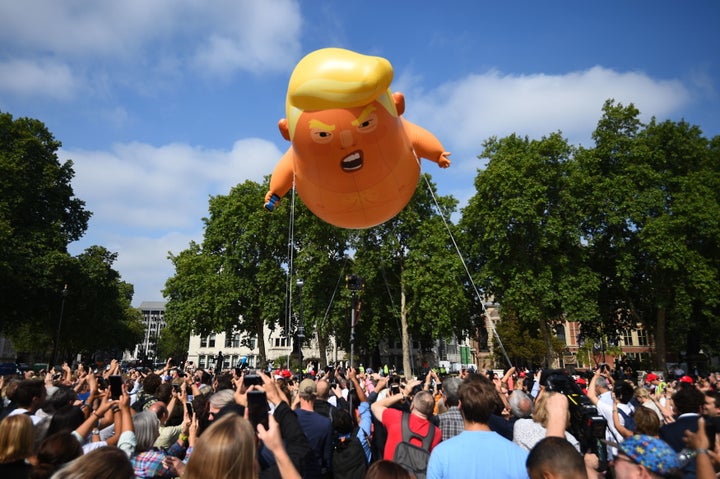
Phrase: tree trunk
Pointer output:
(547, 337)
(322, 341)
(260, 333)
(404, 331)
(660, 351)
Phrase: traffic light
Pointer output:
(355, 282)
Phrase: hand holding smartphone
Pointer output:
(115, 387)
(258, 408)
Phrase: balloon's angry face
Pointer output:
(340, 148)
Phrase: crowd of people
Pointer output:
(182, 421)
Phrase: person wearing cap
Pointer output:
(687, 379)
(656, 385)
(318, 430)
(646, 457)
(580, 381)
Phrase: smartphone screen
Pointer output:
(258, 408)
(189, 408)
(115, 387)
(251, 379)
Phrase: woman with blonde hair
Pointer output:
(225, 449)
(646, 399)
(17, 441)
(228, 449)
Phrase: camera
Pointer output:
(586, 423)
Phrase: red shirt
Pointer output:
(392, 420)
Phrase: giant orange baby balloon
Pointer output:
(354, 160)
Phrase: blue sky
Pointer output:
(162, 104)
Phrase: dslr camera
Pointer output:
(586, 423)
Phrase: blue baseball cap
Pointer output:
(653, 453)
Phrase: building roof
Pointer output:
(146, 305)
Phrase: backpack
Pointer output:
(348, 458)
(142, 403)
(411, 457)
(628, 420)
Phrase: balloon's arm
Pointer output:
(426, 145)
(281, 180)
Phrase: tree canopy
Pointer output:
(39, 217)
(621, 234)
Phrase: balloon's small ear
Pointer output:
(284, 130)
(399, 99)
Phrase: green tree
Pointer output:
(522, 344)
(651, 201)
(414, 278)
(522, 232)
(100, 301)
(321, 261)
(96, 312)
(39, 217)
(234, 280)
(173, 343)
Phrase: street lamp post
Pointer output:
(300, 332)
(64, 294)
(354, 283)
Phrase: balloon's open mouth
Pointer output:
(352, 162)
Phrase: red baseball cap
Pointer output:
(651, 377)
(581, 381)
(686, 379)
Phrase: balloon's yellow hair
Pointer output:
(336, 78)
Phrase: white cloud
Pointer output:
(53, 48)
(467, 111)
(38, 78)
(149, 200)
(251, 37)
(137, 185)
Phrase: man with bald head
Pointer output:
(324, 404)
(421, 410)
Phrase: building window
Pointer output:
(281, 342)
(203, 342)
(251, 342)
(627, 337)
(642, 337)
(211, 340)
(202, 361)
